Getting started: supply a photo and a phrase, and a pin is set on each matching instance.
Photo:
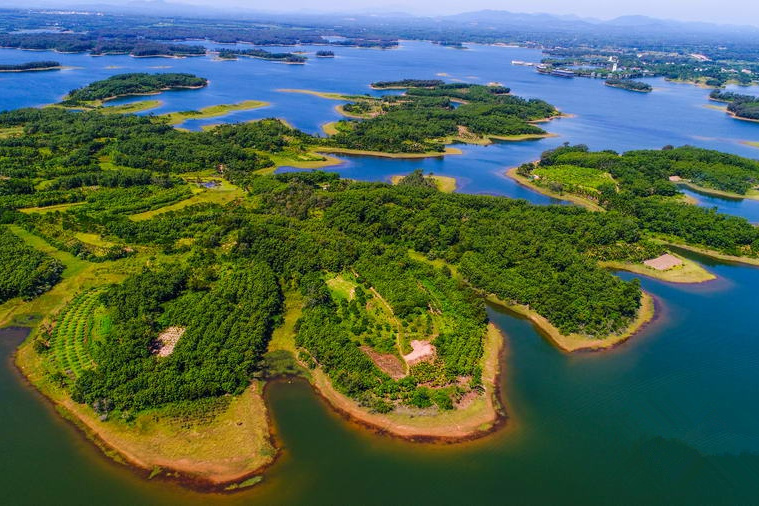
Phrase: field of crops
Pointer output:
(75, 332)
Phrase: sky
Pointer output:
(729, 11)
(742, 12)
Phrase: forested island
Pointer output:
(740, 106)
(630, 85)
(31, 66)
(193, 275)
(261, 54)
(431, 114)
(124, 85)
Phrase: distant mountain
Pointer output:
(550, 22)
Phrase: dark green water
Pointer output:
(668, 418)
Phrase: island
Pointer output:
(33, 66)
(261, 54)
(325, 54)
(743, 107)
(629, 85)
(445, 184)
(126, 85)
(429, 116)
(170, 275)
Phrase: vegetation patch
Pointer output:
(125, 85)
(213, 111)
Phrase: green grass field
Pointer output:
(572, 176)
(131, 108)
(223, 194)
(213, 111)
(8, 132)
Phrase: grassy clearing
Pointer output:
(94, 240)
(222, 194)
(330, 128)
(131, 108)
(50, 209)
(575, 199)
(309, 160)
(283, 337)
(342, 287)
(10, 132)
(445, 184)
(572, 176)
(213, 111)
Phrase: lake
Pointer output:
(668, 418)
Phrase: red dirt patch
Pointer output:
(389, 364)
(423, 350)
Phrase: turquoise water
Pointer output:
(668, 418)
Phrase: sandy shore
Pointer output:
(689, 272)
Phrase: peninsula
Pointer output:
(127, 85)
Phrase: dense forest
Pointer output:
(122, 85)
(425, 118)
(643, 184)
(32, 65)
(24, 271)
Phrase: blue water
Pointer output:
(603, 117)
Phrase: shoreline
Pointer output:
(445, 184)
(713, 254)
(574, 342)
(43, 69)
(719, 193)
(689, 273)
(382, 154)
(464, 426)
(202, 477)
